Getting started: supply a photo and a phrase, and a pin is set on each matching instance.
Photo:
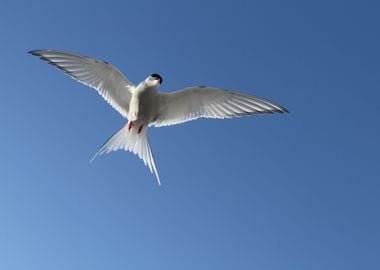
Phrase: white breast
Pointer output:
(143, 104)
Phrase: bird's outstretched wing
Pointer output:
(100, 75)
(195, 102)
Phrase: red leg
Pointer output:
(140, 129)
(129, 126)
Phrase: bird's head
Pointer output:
(153, 80)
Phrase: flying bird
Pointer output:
(143, 105)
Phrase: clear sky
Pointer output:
(291, 191)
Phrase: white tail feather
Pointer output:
(131, 140)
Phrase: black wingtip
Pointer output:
(39, 51)
(281, 109)
(34, 52)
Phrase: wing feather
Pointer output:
(195, 102)
(100, 75)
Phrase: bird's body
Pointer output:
(145, 106)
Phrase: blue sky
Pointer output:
(295, 191)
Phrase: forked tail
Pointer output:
(131, 140)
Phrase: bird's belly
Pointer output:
(142, 108)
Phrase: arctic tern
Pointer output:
(144, 106)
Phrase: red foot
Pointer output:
(129, 126)
(140, 129)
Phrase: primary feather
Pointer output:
(100, 75)
(195, 102)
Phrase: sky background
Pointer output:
(291, 191)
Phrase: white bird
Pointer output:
(144, 106)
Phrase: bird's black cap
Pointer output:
(157, 76)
